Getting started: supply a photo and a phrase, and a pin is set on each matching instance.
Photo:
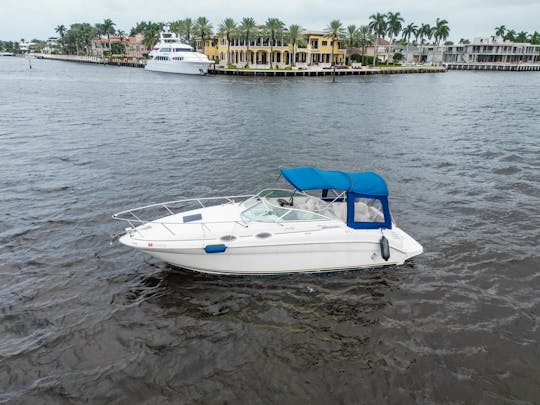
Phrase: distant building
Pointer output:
(51, 46)
(133, 45)
(492, 50)
(25, 46)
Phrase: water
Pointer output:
(84, 320)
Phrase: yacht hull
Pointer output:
(180, 67)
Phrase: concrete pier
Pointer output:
(130, 62)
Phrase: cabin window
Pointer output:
(165, 50)
(295, 215)
(368, 210)
(263, 213)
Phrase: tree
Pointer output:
(108, 29)
(150, 31)
(510, 35)
(183, 29)
(364, 39)
(521, 37)
(246, 28)
(228, 28)
(440, 32)
(534, 38)
(352, 36)
(61, 30)
(409, 31)
(423, 31)
(334, 32)
(394, 23)
(186, 30)
(294, 34)
(203, 29)
(500, 31)
(274, 26)
(378, 26)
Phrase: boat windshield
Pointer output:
(281, 205)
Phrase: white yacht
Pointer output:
(171, 55)
(347, 225)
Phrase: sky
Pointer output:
(467, 18)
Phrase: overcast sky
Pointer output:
(467, 18)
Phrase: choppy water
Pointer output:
(82, 319)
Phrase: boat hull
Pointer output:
(182, 67)
(279, 259)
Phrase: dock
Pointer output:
(326, 72)
(505, 67)
(128, 62)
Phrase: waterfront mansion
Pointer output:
(312, 49)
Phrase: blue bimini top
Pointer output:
(310, 178)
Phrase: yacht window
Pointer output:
(165, 50)
(182, 50)
(368, 210)
(178, 58)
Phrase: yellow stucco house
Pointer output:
(313, 50)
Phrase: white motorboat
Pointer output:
(346, 226)
(171, 55)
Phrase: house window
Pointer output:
(314, 44)
(324, 43)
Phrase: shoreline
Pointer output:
(313, 72)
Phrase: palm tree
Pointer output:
(246, 28)
(378, 26)
(151, 32)
(521, 37)
(408, 31)
(499, 31)
(186, 29)
(274, 26)
(108, 29)
(534, 38)
(334, 32)
(228, 28)
(394, 23)
(440, 32)
(203, 29)
(60, 30)
(176, 27)
(364, 39)
(351, 36)
(295, 31)
(510, 35)
(122, 35)
(423, 31)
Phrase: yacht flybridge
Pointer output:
(347, 225)
(171, 55)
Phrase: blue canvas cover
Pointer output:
(310, 178)
(357, 185)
